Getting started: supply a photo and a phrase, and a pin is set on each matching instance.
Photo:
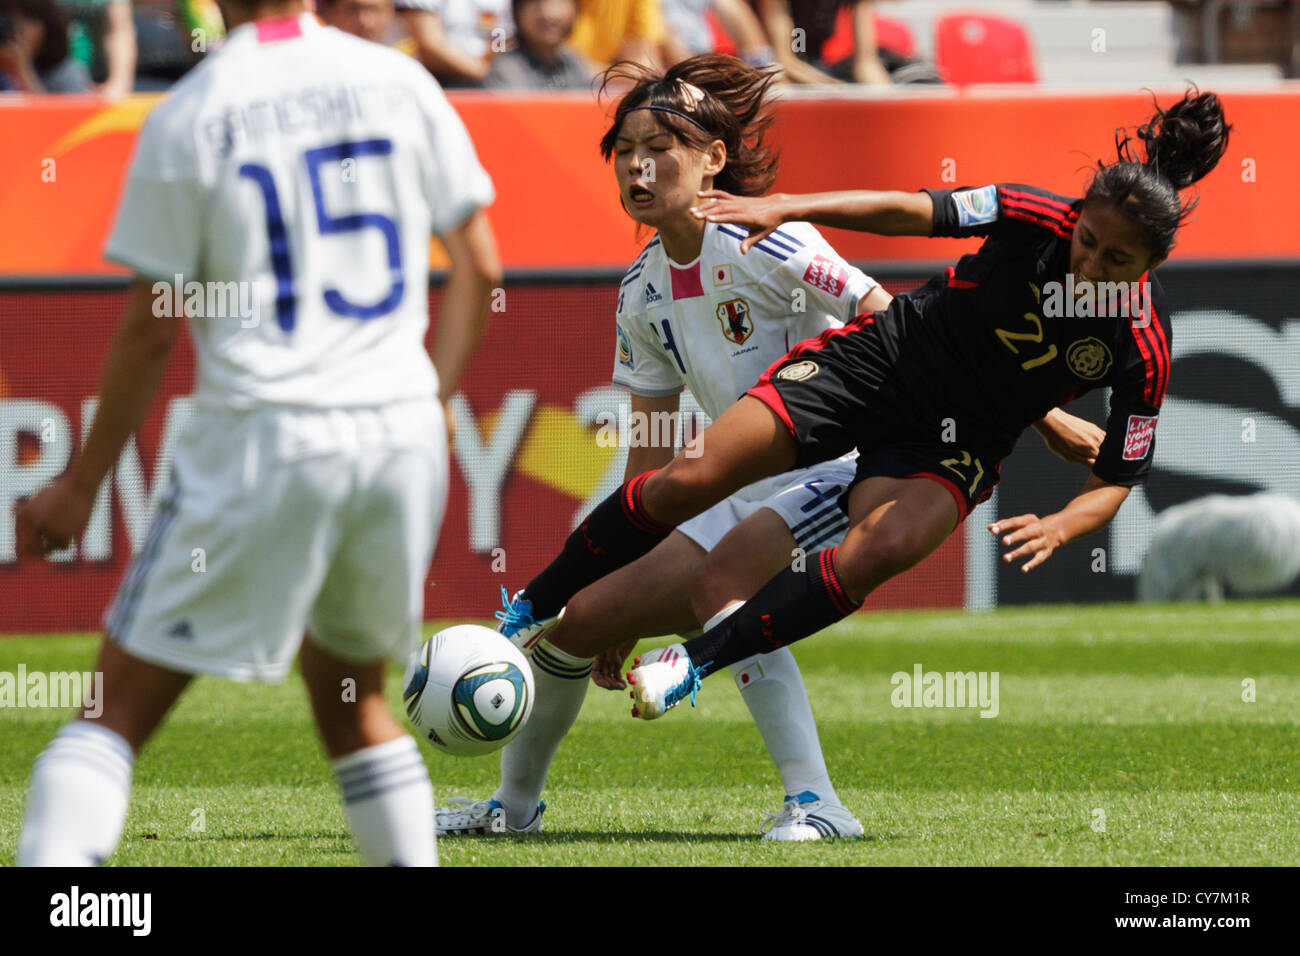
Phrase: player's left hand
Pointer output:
(50, 520)
(760, 214)
(607, 672)
(1037, 539)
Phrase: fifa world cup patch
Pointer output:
(624, 348)
(798, 371)
(976, 206)
(826, 275)
(1137, 440)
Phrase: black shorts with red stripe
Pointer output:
(840, 391)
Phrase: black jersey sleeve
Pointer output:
(1138, 383)
(1001, 210)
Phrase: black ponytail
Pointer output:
(1179, 146)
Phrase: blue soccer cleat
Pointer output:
(485, 817)
(516, 621)
(806, 816)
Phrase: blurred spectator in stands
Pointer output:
(171, 37)
(610, 30)
(456, 39)
(34, 50)
(690, 33)
(541, 59)
(799, 31)
(369, 19)
(101, 34)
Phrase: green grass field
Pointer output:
(1134, 712)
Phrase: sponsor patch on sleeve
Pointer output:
(1137, 440)
(825, 274)
(975, 207)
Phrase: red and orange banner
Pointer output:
(63, 161)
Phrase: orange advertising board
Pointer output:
(63, 158)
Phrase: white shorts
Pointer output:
(284, 520)
(807, 501)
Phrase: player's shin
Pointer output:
(616, 533)
(791, 606)
(772, 688)
(388, 802)
(77, 800)
(560, 680)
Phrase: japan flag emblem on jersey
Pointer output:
(825, 274)
(736, 324)
(1137, 440)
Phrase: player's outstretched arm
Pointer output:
(1036, 538)
(475, 272)
(136, 358)
(884, 213)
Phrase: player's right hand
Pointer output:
(607, 671)
(51, 519)
(761, 215)
(449, 419)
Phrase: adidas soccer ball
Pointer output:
(468, 690)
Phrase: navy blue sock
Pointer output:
(791, 606)
(616, 533)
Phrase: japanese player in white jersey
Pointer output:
(313, 167)
(694, 312)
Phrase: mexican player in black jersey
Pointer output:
(935, 389)
(941, 384)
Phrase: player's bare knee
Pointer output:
(707, 592)
(864, 562)
(681, 490)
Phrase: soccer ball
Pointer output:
(468, 690)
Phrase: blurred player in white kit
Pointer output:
(312, 166)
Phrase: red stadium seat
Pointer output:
(893, 35)
(896, 36)
(977, 48)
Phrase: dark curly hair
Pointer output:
(732, 110)
(1180, 145)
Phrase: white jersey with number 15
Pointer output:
(297, 175)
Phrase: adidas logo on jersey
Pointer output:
(650, 294)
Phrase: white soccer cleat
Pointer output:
(806, 817)
(516, 621)
(486, 817)
(661, 679)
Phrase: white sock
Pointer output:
(388, 802)
(76, 803)
(772, 688)
(560, 680)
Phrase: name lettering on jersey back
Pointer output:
(825, 274)
(310, 108)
